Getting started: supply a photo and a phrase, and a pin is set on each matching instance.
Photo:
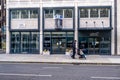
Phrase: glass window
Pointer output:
(15, 42)
(70, 34)
(59, 12)
(15, 14)
(24, 14)
(47, 34)
(47, 41)
(34, 42)
(83, 13)
(58, 34)
(25, 42)
(104, 12)
(49, 13)
(70, 38)
(33, 13)
(68, 13)
(94, 12)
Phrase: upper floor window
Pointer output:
(58, 12)
(33, 14)
(24, 14)
(48, 13)
(15, 14)
(68, 13)
(94, 12)
(84, 13)
(64, 13)
(104, 12)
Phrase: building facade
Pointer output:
(34, 26)
(2, 24)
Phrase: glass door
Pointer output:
(58, 45)
(25, 42)
(93, 45)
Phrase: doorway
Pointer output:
(90, 45)
(93, 45)
(95, 42)
(58, 42)
(58, 45)
(25, 42)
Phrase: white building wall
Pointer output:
(76, 24)
(112, 32)
(50, 23)
(98, 23)
(24, 24)
(118, 26)
(41, 28)
(60, 3)
(7, 30)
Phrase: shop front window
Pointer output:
(47, 41)
(15, 42)
(70, 38)
(95, 44)
(58, 42)
(105, 45)
(24, 42)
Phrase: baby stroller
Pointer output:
(81, 54)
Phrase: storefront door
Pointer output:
(25, 42)
(93, 45)
(95, 42)
(58, 45)
(58, 42)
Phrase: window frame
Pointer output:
(106, 14)
(70, 15)
(24, 13)
(33, 13)
(86, 15)
(16, 14)
(93, 13)
(50, 13)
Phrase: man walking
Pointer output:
(74, 49)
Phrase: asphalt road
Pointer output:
(38, 71)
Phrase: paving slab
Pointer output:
(61, 59)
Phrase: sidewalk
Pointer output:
(59, 59)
